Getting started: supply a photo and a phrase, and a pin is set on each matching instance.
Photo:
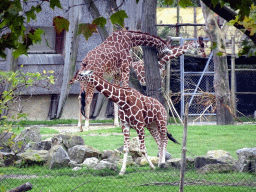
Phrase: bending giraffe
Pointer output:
(174, 52)
(135, 111)
(113, 58)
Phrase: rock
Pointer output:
(6, 137)
(9, 158)
(246, 160)
(62, 140)
(33, 156)
(105, 165)
(134, 149)
(58, 157)
(67, 141)
(91, 162)
(75, 140)
(176, 163)
(221, 155)
(111, 156)
(31, 134)
(154, 160)
(214, 157)
(76, 168)
(167, 156)
(79, 153)
(128, 162)
(42, 145)
(216, 168)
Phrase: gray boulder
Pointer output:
(79, 153)
(214, 157)
(176, 162)
(75, 140)
(8, 158)
(134, 148)
(62, 140)
(58, 157)
(67, 141)
(167, 156)
(216, 168)
(111, 156)
(246, 160)
(42, 145)
(5, 138)
(31, 134)
(34, 156)
(91, 162)
(105, 165)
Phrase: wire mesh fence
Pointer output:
(68, 162)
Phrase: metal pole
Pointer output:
(233, 76)
(167, 86)
(184, 150)
(182, 80)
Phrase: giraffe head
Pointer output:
(199, 46)
(81, 76)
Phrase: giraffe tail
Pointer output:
(83, 103)
(169, 135)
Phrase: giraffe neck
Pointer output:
(176, 52)
(109, 90)
(138, 38)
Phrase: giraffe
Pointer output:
(112, 57)
(174, 52)
(135, 111)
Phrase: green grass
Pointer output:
(55, 122)
(135, 179)
(200, 139)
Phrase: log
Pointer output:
(24, 187)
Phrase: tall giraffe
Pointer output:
(174, 52)
(112, 57)
(135, 111)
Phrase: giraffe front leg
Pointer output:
(79, 125)
(126, 132)
(116, 122)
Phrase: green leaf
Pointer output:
(168, 2)
(101, 21)
(36, 35)
(20, 50)
(219, 54)
(31, 14)
(86, 29)
(54, 3)
(118, 18)
(60, 24)
(185, 3)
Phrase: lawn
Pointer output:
(200, 140)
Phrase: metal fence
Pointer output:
(217, 170)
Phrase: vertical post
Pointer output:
(178, 21)
(233, 76)
(182, 81)
(183, 152)
(167, 86)
(195, 28)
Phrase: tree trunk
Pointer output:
(221, 80)
(148, 25)
(71, 49)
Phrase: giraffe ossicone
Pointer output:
(135, 111)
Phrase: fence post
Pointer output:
(233, 76)
(183, 152)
